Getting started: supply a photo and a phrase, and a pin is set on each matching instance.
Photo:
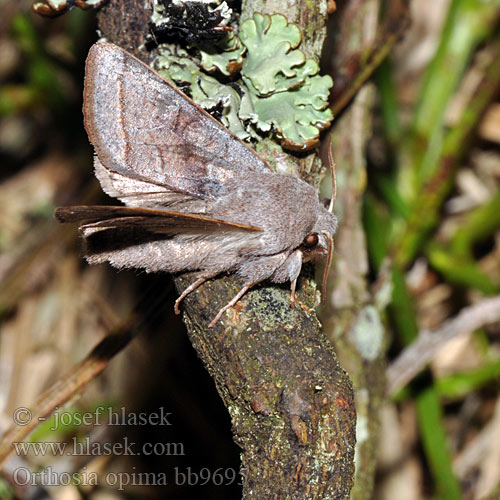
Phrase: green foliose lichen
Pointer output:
(285, 90)
(271, 64)
(298, 115)
(227, 56)
(280, 91)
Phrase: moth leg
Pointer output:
(293, 287)
(193, 286)
(233, 301)
(294, 300)
(289, 270)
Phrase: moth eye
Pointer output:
(311, 240)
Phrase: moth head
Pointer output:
(319, 242)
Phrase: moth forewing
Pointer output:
(143, 127)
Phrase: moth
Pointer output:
(197, 198)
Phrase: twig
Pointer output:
(392, 30)
(290, 402)
(65, 389)
(476, 454)
(414, 358)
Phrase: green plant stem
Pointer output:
(456, 260)
(425, 209)
(477, 225)
(429, 155)
(376, 221)
(427, 401)
(469, 22)
(435, 443)
(458, 385)
(388, 103)
(458, 269)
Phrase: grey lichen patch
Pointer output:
(175, 65)
(280, 92)
(212, 92)
(362, 432)
(56, 7)
(272, 306)
(368, 333)
(383, 295)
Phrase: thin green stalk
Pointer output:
(469, 22)
(434, 441)
(477, 225)
(388, 103)
(461, 270)
(425, 211)
(396, 204)
(458, 385)
(428, 406)
(456, 261)
(429, 157)
(376, 222)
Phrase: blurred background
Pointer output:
(435, 147)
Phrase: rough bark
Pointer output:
(290, 402)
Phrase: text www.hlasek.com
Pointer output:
(88, 448)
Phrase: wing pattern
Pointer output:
(145, 131)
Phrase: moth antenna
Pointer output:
(151, 32)
(331, 163)
(329, 239)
